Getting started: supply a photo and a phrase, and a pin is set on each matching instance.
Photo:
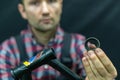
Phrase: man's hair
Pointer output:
(21, 1)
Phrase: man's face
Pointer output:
(41, 14)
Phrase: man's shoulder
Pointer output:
(12, 39)
(8, 41)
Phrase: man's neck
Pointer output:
(43, 37)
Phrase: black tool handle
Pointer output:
(64, 70)
(46, 56)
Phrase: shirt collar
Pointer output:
(57, 39)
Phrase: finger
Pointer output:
(88, 70)
(91, 65)
(86, 78)
(93, 68)
(101, 70)
(106, 62)
(92, 46)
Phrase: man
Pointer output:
(44, 31)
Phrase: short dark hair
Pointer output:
(21, 1)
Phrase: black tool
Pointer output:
(26, 67)
(64, 70)
(46, 57)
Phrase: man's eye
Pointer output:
(52, 1)
(34, 3)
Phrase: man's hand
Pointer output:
(98, 66)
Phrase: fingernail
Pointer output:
(85, 53)
(90, 53)
(84, 58)
(85, 61)
(97, 50)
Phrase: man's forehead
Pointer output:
(41, 0)
(35, 0)
(38, 0)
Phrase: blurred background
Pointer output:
(92, 18)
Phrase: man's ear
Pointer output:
(22, 11)
(61, 1)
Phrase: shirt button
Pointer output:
(46, 66)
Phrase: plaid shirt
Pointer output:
(10, 55)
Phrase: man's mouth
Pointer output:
(46, 21)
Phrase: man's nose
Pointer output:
(45, 9)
